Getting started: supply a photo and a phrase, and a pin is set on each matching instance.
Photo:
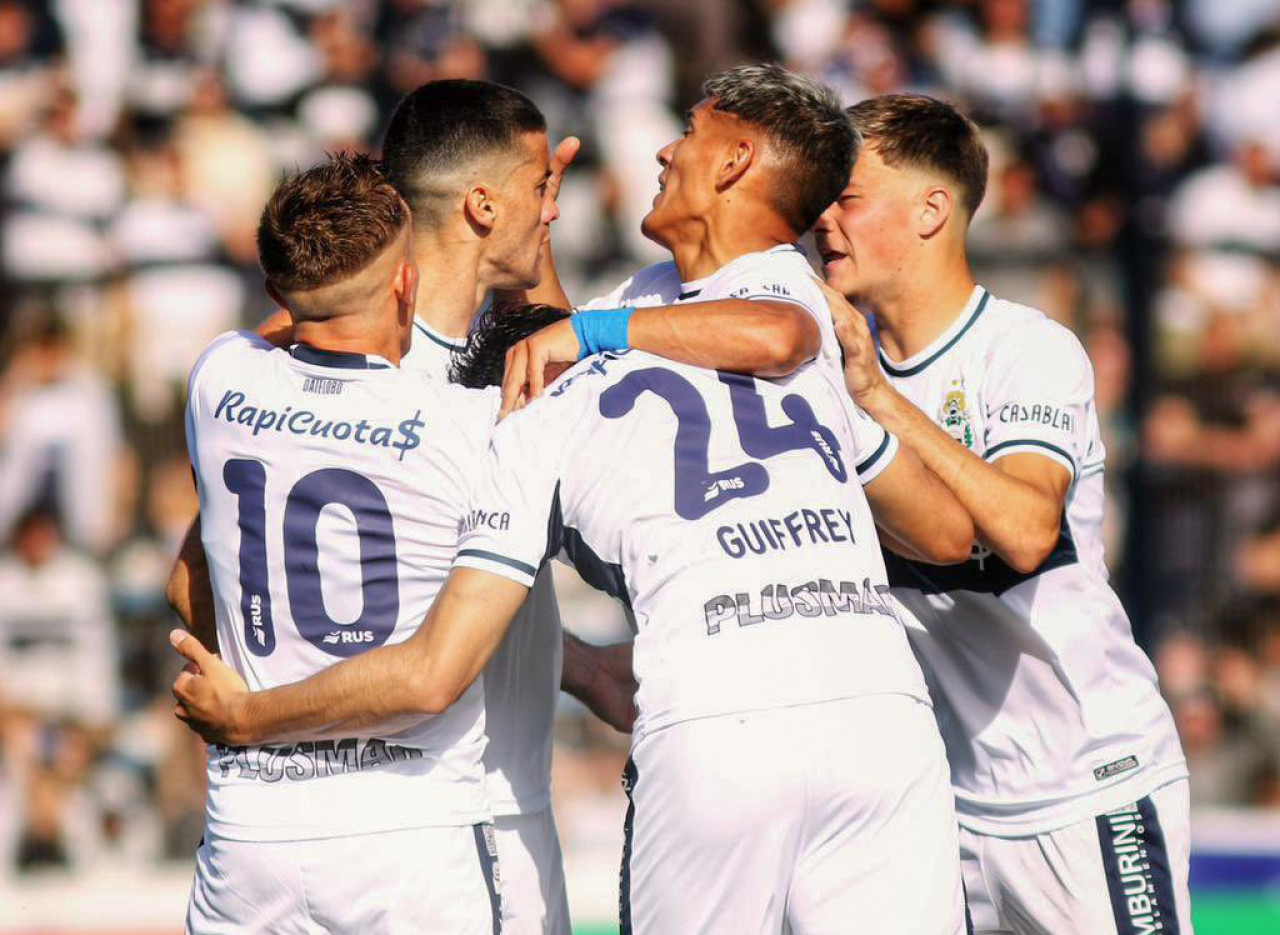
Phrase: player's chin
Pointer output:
(839, 274)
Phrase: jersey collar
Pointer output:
(452, 344)
(690, 290)
(341, 360)
(944, 342)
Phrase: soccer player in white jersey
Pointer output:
(477, 227)
(331, 487)
(761, 156)
(470, 158)
(1071, 788)
(786, 767)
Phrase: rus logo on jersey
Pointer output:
(954, 415)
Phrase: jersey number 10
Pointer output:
(379, 582)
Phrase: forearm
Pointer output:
(189, 591)
(758, 337)
(378, 692)
(1006, 511)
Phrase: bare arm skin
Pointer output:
(421, 676)
(770, 339)
(189, 592)
(1016, 503)
(917, 511)
(601, 678)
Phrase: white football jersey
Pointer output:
(1050, 711)
(724, 511)
(522, 680)
(780, 273)
(332, 487)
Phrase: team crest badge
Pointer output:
(954, 415)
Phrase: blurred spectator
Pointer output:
(60, 684)
(60, 442)
(62, 189)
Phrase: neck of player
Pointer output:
(450, 287)
(920, 304)
(702, 245)
(353, 334)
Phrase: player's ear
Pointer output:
(935, 209)
(737, 160)
(406, 284)
(480, 209)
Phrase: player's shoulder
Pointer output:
(1016, 329)
(231, 350)
(1022, 337)
(471, 413)
(652, 285)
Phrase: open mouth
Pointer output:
(830, 256)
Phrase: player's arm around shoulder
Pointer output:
(758, 336)
(917, 515)
(393, 685)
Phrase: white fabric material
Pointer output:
(1050, 711)
(522, 680)
(723, 511)
(58, 646)
(534, 901)
(801, 820)
(1056, 882)
(395, 883)
(371, 466)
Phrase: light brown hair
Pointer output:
(328, 223)
(922, 132)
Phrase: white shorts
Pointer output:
(532, 886)
(419, 880)
(797, 820)
(1122, 873)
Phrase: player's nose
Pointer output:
(826, 220)
(664, 154)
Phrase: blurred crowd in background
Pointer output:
(1134, 195)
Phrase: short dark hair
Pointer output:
(923, 132)
(805, 122)
(482, 361)
(328, 223)
(445, 124)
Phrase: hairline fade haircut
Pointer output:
(328, 223)
(445, 126)
(480, 364)
(807, 127)
(925, 133)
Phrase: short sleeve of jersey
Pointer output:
(654, 285)
(506, 527)
(874, 447)
(1037, 393)
(781, 277)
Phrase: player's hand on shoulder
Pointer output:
(208, 692)
(862, 375)
(527, 361)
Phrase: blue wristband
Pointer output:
(604, 329)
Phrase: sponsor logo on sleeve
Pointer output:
(1116, 768)
(1054, 417)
